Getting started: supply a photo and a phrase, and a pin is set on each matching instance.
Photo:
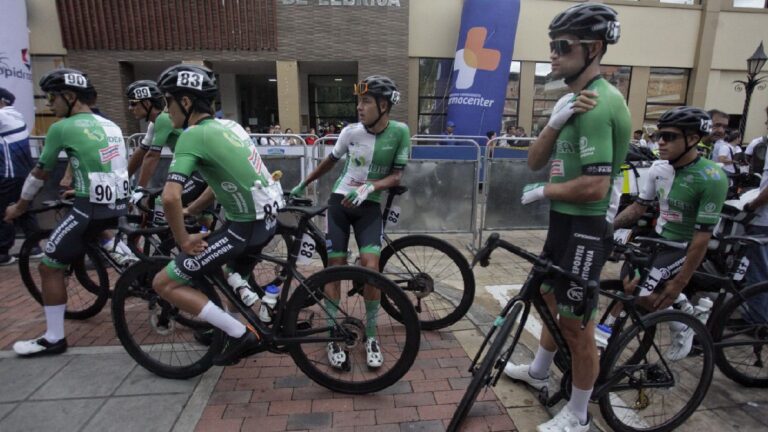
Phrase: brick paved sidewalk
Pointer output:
(268, 393)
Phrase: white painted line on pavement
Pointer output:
(502, 294)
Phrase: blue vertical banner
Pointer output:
(481, 66)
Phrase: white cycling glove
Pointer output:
(562, 111)
(359, 195)
(533, 192)
(137, 195)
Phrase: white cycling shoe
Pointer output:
(337, 357)
(520, 372)
(564, 421)
(682, 341)
(373, 352)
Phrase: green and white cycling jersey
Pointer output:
(690, 197)
(161, 133)
(96, 152)
(370, 156)
(227, 159)
(594, 143)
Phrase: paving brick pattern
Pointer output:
(268, 393)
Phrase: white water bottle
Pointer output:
(602, 334)
(703, 309)
(683, 304)
(241, 287)
(268, 303)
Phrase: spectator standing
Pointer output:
(15, 163)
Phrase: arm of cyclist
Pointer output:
(540, 150)
(693, 257)
(201, 203)
(630, 215)
(192, 244)
(148, 166)
(358, 196)
(135, 161)
(32, 185)
(316, 173)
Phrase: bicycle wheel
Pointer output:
(650, 391)
(270, 273)
(398, 341)
(86, 280)
(741, 333)
(159, 336)
(492, 364)
(435, 275)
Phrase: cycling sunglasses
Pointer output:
(564, 46)
(669, 136)
(50, 97)
(361, 88)
(133, 102)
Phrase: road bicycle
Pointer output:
(639, 388)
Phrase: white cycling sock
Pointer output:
(54, 319)
(539, 368)
(579, 403)
(216, 316)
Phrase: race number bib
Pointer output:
(122, 185)
(394, 215)
(307, 250)
(103, 188)
(267, 200)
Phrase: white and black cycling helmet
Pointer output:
(194, 81)
(690, 120)
(147, 93)
(72, 80)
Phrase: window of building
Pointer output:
(512, 98)
(667, 88)
(547, 91)
(331, 100)
(758, 4)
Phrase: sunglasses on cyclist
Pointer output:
(669, 136)
(50, 97)
(133, 102)
(565, 46)
(361, 88)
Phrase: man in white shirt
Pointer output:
(725, 153)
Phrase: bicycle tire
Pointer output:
(482, 375)
(267, 273)
(638, 365)
(445, 305)
(730, 323)
(141, 334)
(85, 297)
(295, 313)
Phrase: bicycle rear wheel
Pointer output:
(650, 390)
(741, 334)
(434, 275)
(160, 337)
(307, 316)
(86, 280)
(269, 273)
(492, 365)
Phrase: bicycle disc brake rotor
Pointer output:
(160, 320)
(354, 332)
(421, 285)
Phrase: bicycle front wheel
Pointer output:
(309, 314)
(655, 385)
(491, 366)
(86, 280)
(160, 337)
(741, 334)
(435, 275)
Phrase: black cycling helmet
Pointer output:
(688, 120)
(147, 93)
(379, 86)
(71, 80)
(591, 21)
(194, 81)
(587, 21)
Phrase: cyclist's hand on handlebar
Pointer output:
(15, 210)
(137, 195)
(67, 193)
(533, 192)
(195, 244)
(298, 191)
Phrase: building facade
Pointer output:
(293, 62)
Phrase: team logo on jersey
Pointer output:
(95, 135)
(108, 153)
(229, 187)
(557, 168)
(191, 265)
(713, 172)
(75, 162)
(710, 207)
(359, 161)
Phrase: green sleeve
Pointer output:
(595, 140)
(53, 145)
(403, 149)
(712, 197)
(186, 156)
(163, 129)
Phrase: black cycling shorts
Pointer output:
(67, 241)
(232, 244)
(666, 264)
(193, 188)
(365, 220)
(580, 244)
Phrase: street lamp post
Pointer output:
(754, 66)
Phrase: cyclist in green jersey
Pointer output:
(691, 190)
(587, 150)
(377, 150)
(238, 179)
(97, 155)
(145, 101)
